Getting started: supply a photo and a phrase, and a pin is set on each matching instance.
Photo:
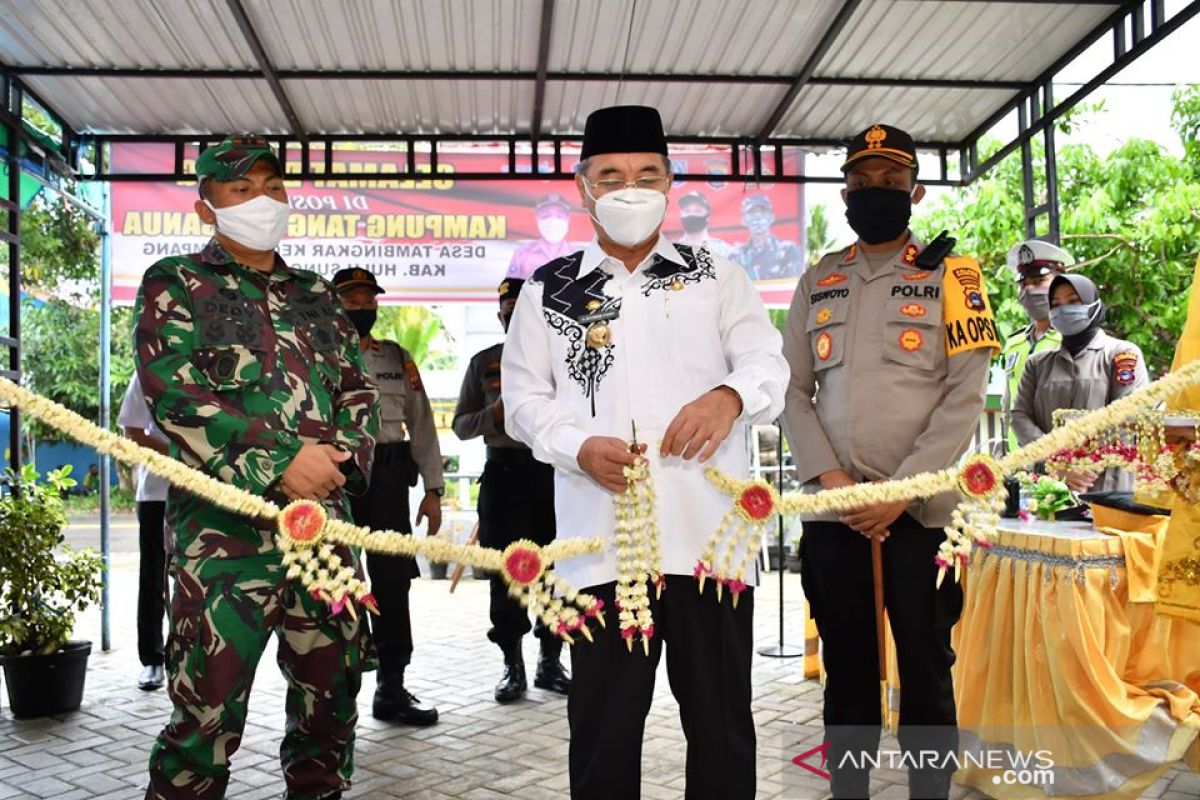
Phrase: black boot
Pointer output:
(550, 672)
(512, 684)
(394, 703)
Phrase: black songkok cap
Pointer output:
(623, 129)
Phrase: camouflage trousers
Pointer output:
(222, 614)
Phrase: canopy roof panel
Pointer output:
(746, 74)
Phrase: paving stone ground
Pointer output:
(478, 751)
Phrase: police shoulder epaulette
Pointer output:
(931, 257)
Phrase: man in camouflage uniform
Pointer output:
(763, 256)
(407, 447)
(254, 374)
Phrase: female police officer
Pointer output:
(1088, 371)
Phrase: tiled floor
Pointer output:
(478, 751)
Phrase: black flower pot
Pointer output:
(40, 686)
(438, 570)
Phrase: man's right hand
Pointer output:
(604, 458)
(314, 473)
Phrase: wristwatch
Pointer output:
(439, 491)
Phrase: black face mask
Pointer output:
(363, 319)
(877, 214)
(694, 223)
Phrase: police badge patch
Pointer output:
(413, 375)
(969, 279)
(1125, 367)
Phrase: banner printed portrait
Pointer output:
(440, 240)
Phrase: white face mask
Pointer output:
(553, 229)
(258, 224)
(630, 216)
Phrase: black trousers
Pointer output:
(385, 507)
(516, 501)
(836, 572)
(152, 581)
(709, 649)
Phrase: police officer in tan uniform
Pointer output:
(889, 345)
(1036, 263)
(404, 408)
(516, 501)
(1088, 371)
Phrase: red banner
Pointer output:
(441, 240)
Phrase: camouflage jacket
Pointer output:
(241, 368)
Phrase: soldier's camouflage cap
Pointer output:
(233, 158)
(752, 202)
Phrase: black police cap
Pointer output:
(881, 141)
(354, 278)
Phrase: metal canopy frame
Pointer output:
(1134, 27)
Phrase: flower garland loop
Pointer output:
(639, 559)
(734, 545)
(309, 539)
(981, 477)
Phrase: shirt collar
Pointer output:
(903, 259)
(594, 256)
(214, 253)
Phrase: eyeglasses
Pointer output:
(656, 182)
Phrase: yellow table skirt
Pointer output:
(1054, 656)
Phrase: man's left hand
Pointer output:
(430, 509)
(874, 521)
(702, 425)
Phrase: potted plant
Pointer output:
(42, 586)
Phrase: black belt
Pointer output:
(511, 456)
(393, 453)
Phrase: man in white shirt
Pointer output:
(635, 330)
(138, 423)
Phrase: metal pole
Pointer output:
(781, 650)
(14, 279)
(105, 323)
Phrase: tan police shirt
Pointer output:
(475, 414)
(404, 407)
(1106, 369)
(874, 389)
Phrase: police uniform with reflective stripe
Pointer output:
(1016, 352)
(403, 407)
(1105, 370)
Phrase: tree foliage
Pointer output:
(1130, 217)
(61, 359)
(419, 331)
(817, 240)
(60, 249)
